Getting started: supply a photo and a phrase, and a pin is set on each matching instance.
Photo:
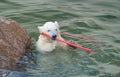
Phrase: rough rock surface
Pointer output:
(14, 41)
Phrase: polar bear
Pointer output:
(45, 44)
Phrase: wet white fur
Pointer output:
(45, 44)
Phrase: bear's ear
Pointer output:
(56, 23)
(40, 28)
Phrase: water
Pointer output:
(99, 19)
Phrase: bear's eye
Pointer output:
(48, 30)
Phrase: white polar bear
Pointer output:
(45, 44)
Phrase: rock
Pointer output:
(14, 41)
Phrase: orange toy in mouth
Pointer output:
(69, 43)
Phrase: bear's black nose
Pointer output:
(54, 36)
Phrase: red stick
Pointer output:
(69, 43)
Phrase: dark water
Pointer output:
(99, 19)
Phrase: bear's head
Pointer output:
(50, 28)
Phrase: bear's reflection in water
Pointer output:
(55, 62)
